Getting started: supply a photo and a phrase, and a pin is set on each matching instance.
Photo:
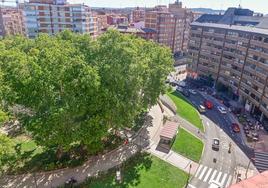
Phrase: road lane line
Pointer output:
(218, 177)
(198, 170)
(208, 173)
(223, 179)
(202, 173)
(213, 175)
(228, 181)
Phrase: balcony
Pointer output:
(228, 45)
(212, 34)
(193, 51)
(243, 93)
(264, 110)
(242, 48)
(259, 43)
(256, 103)
(196, 32)
(245, 85)
(223, 81)
(232, 54)
(254, 52)
(195, 39)
(236, 38)
(236, 72)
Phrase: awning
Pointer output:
(169, 130)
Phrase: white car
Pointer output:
(222, 110)
(192, 91)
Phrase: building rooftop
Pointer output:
(236, 16)
(169, 130)
(233, 27)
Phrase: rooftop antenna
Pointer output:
(240, 4)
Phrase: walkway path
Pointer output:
(145, 139)
(90, 168)
(175, 159)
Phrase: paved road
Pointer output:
(218, 126)
(223, 121)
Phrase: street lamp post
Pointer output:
(188, 178)
(255, 142)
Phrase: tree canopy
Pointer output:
(78, 88)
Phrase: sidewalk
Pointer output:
(58, 178)
(93, 165)
(175, 159)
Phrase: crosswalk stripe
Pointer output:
(213, 175)
(218, 177)
(198, 170)
(208, 173)
(202, 173)
(223, 179)
(228, 181)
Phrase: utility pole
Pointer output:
(188, 178)
(250, 160)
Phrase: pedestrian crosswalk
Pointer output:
(261, 161)
(207, 174)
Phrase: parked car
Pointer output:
(235, 127)
(179, 89)
(222, 110)
(208, 104)
(192, 91)
(216, 144)
(186, 93)
(70, 182)
(201, 109)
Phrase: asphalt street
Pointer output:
(218, 166)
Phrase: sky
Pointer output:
(255, 5)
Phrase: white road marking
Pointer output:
(218, 177)
(207, 123)
(213, 175)
(198, 170)
(228, 181)
(191, 186)
(202, 173)
(208, 173)
(223, 179)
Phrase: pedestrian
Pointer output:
(198, 131)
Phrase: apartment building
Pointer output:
(11, 21)
(172, 24)
(115, 19)
(233, 50)
(145, 33)
(53, 16)
(138, 15)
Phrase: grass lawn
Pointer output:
(188, 145)
(141, 171)
(186, 109)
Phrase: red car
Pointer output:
(208, 104)
(235, 127)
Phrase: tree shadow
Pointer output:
(130, 170)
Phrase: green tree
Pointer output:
(7, 151)
(77, 88)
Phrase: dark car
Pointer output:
(70, 182)
(186, 93)
(216, 144)
(235, 127)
